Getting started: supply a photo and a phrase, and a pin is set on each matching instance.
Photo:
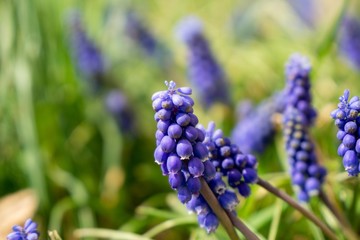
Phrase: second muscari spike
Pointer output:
(204, 72)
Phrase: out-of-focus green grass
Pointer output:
(56, 137)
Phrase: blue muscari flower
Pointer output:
(204, 72)
(137, 31)
(347, 120)
(297, 92)
(256, 128)
(28, 232)
(306, 173)
(306, 10)
(229, 161)
(184, 157)
(349, 40)
(86, 54)
(118, 106)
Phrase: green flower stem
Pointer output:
(78, 194)
(107, 234)
(58, 211)
(344, 223)
(218, 210)
(353, 205)
(53, 235)
(25, 122)
(169, 224)
(328, 232)
(242, 227)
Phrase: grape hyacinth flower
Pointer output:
(347, 120)
(137, 31)
(86, 54)
(306, 10)
(240, 169)
(349, 40)
(204, 72)
(118, 106)
(182, 155)
(256, 128)
(297, 90)
(306, 173)
(28, 232)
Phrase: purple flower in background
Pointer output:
(255, 130)
(306, 173)
(87, 56)
(239, 168)
(349, 40)
(138, 32)
(297, 92)
(28, 232)
(204, 71)
(183, 156)
(347, 120)
(118, 106)
(306, 10)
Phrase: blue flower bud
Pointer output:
(312, 186)
(163, 125)
(357, 146)
(198, 205)
(28, 232)
(209, 170)
(351, 162)
(167, 144)
(244, 189)
(209, 222)
(200, 151)
(298, 178)
(176, 180)
(228, 200)
(193, 119)
(194, 185)
(184, 149)
(184, 194)
(174, 131)
(185, 90)
(350, 127)
(250, 175)
(340, 135)
(342, 150)
(217, 185)
(302, 196)
(164, 169)
(191, 133)
(173, 163)
(234, 177)
(227, 163)
(349, 141)
(196, 167)
(201, 136)
(160, 156)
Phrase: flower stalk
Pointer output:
(280, 194)
(223, 216)
(344, 223)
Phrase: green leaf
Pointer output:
(170, 224)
